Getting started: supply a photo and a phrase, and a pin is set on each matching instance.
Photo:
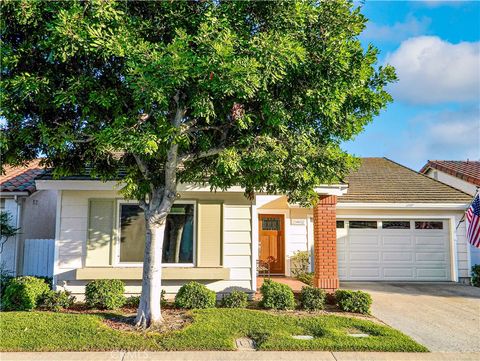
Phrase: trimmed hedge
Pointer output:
(312, 299)
(276, 296)
(56, 301)
(105, 294)
(23, 293)
(353, 301)
(195, 295)
(236, 299)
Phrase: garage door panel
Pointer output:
(397, 256)
(391, 254)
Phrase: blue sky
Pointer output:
(435, 47)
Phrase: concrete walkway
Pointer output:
(237, 356)
(443, 317)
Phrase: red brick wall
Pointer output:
(325, 243)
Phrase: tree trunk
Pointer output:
(149, 310)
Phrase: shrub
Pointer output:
(105, 294)
(476, 275)
(56, 301)
(236, 299)
(306, 278)
(195, 295)
(312, 298)
(23, 293)
(5, 278)
(132, 302)
(353, 301)
(299, 263)
(277, 296)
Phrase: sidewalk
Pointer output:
(238, 356)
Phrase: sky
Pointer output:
(435, 48)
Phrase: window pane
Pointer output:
(396, 224)
(363, 224)
(178, 242)
(429, 225)
(271, 224)
(340, 224)
(132, 233)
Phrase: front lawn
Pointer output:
(213, 329)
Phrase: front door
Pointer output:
(271, 229)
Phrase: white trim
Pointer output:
(116, 260)
(13, 194)
(332, 189)
(56, 264)
(404, 206)
(254, 246)
(453, 249)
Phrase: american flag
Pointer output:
(473, 226)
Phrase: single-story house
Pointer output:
(31, 210)
(463, 175)
(386, 223)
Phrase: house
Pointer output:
(386, 223)
(31, 210)
(463, 175)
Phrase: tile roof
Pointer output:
(469, 170)
(381, 180)
(21, 179)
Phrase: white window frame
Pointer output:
(140, 264)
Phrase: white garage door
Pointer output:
(407, 250)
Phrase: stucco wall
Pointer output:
(72, 239)
(452, 181)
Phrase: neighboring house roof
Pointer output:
(21, 179)
(381, 180)
(469, 170)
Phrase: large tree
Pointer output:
(257, 94)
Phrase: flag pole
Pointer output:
(463, 217)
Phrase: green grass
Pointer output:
(213, 329)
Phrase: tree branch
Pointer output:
(193, 156)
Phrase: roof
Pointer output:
(381, 180)
(21, 179)
(468, 170)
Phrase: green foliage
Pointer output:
(56, 301)
(105, 294)
(132, 302)
(276, 296)
(195, 295)
(312, 299)
(5, 277)
(476, 275)
(306, 278)
(23, 293)
(299, 263)
(212, 329)
(100, 82)
(6, 229)
(353, 301)
(235, 299)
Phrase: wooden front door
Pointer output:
(271, 228)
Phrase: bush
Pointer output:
(312, 299)
(306, 278)
(23, 293)
(236, 299)
(56, 301)
(353, 301)
(195, 295)
(277, 296)
(105, 294)
(476, 275)
(5, 278)
(132, 302)
(299, 263)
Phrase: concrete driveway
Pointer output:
(440, 316)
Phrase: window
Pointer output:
(363, 224)
(271, 224)
(429, 225)
(396, 224)
(2, 204)
(340, 224)
(178, 243)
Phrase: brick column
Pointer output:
(325, 243)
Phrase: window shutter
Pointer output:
(100, 232)
(209, 241)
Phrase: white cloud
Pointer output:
(398, 31)
(432, 70)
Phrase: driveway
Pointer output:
(440, 316)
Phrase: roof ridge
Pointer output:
(426, 176)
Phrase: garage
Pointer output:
(398, 249)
